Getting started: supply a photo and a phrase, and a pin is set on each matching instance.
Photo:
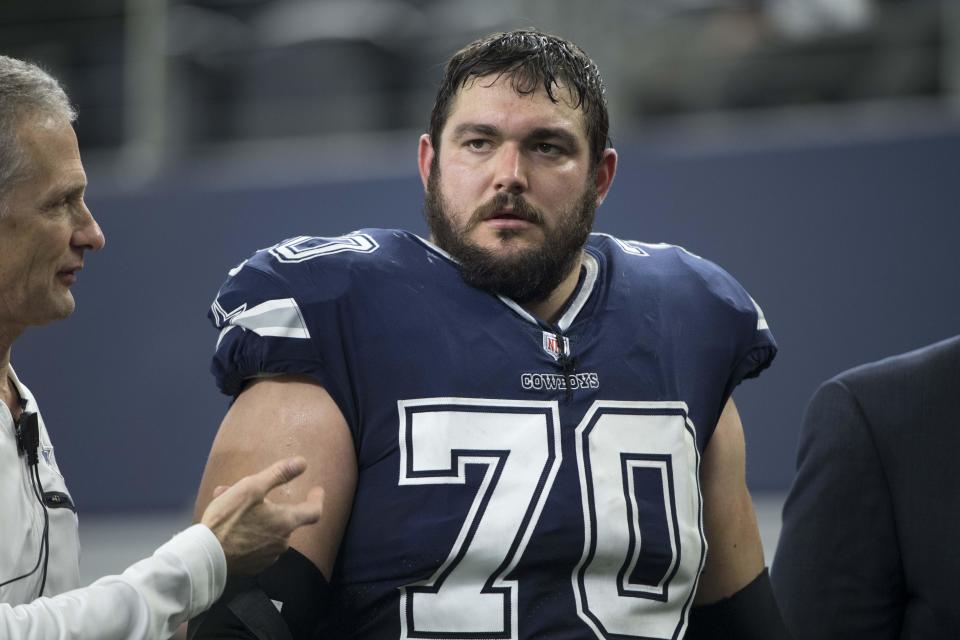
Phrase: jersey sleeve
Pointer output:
(277, 319)
(760, 350)
(755, 342)
(263, 331)
(752, 343)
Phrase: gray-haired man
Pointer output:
(45, 230)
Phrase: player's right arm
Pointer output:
(272, 418)
(280, 355)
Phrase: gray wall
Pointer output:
(849, 246)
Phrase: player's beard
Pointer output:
(525, 276)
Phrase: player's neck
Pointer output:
(549, 309)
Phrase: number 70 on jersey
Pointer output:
(638, 469)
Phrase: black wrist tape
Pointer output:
(287, 601)
(749, 614)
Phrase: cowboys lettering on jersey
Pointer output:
(516, 479)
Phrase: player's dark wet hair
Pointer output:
(530, 59)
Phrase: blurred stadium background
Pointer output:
(811, 147)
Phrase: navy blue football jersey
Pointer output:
(517, 478)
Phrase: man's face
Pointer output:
(512, 193)
(45, 227)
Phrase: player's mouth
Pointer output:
(508, 219)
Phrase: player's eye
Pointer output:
(477, 144)
(547, 148)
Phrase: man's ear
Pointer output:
(425, 154)
(606, 170)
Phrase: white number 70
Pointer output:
(642, 513)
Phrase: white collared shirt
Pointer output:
(148, 600)
(21, 523)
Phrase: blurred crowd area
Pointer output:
(168, 77)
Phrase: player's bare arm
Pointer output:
(276, 418)
(270, 419)
(734, 551)
(252, 530)
(734, 591)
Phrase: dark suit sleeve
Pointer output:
(837, 568)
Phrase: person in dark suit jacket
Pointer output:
(870, 546)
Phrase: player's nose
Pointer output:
(510, 170)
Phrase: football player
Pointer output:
(524, 430)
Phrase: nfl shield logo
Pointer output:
(552, 344)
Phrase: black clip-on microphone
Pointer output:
(28, 436)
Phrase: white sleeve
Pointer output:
(149, 600)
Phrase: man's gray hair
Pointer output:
(26, 90)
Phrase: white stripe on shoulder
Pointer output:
(761, 319)
(637, 248)
(273, 318)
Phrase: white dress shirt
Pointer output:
(148, 600)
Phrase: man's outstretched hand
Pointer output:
(252, 530)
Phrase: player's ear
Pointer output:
(425, 154)
(606, 170)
